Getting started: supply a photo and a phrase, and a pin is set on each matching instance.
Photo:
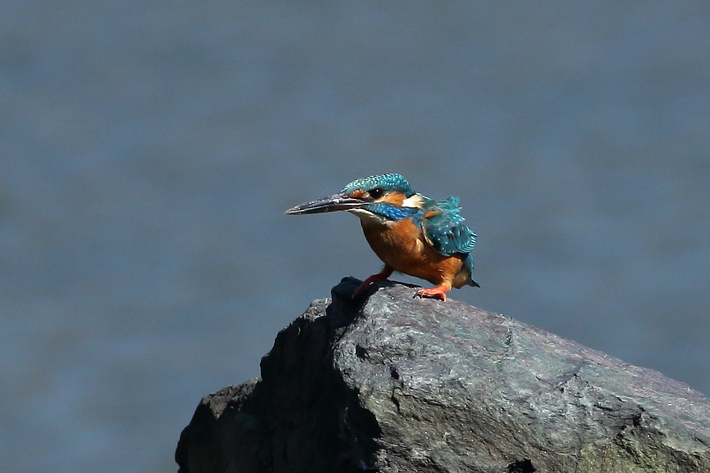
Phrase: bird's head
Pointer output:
(384, 196)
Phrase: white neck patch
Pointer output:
(415, 201)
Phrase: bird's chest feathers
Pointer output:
(395, 242)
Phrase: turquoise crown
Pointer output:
(386, 182)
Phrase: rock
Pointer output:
(393, 383)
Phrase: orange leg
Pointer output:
(381, 276)
(438, 292)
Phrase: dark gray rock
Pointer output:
(393, 383)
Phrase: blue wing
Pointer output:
(444, 229)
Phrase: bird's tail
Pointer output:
(468, 265)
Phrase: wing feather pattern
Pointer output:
(444, 229)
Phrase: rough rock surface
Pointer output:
(393, 383)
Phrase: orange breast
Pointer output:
(401, 246)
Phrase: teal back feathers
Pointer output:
(444, 228)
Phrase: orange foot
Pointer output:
(381, 276)
(438, 292)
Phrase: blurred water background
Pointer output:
(150, 148)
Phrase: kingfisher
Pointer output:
(409, 232)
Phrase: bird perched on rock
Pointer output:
(409, 232)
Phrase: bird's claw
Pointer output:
(433, 293)
(374, 278)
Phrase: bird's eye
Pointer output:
(376, 193)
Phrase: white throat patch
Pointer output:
(368, 217)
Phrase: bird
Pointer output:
(409, 232)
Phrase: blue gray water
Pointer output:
(149, 149)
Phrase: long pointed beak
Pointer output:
(327, 204)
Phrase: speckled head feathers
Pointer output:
(386, 182)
